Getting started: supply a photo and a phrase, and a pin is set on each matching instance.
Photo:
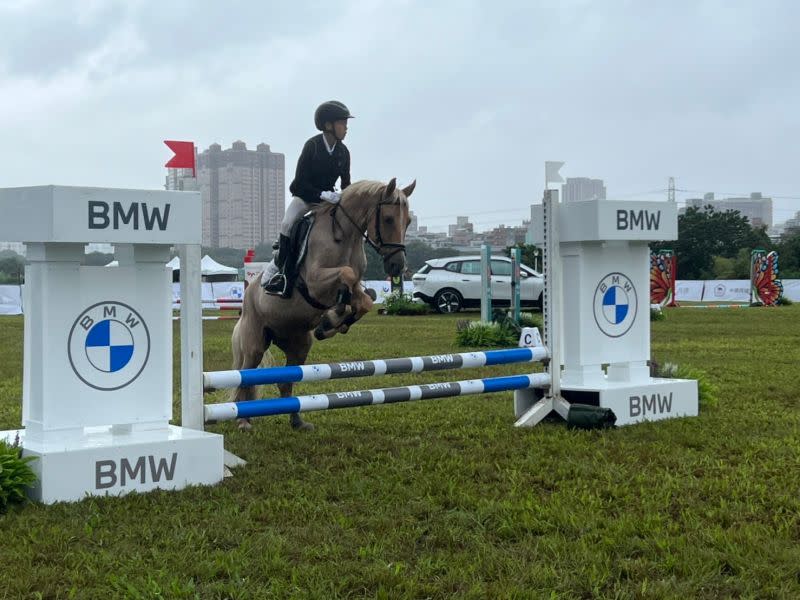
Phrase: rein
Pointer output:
(376, 245)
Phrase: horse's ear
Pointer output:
(390, 187)
(409, 189)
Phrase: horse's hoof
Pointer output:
(245, 425)
(298, 424)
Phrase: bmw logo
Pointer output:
(109, 345)
(615, 304)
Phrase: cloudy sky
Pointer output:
(468, 97)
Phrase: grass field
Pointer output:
(445, 499)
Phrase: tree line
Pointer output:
(717, 244)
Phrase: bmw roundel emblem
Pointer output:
(109, 345)
(615, 304)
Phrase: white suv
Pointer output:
(450, 284)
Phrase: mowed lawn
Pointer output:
(445, 499)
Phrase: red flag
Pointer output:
(184, 156)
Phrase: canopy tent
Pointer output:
(208, 266)
(210, 269)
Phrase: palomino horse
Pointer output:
(328, 297)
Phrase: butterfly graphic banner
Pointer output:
(765, 286)
(663, 265)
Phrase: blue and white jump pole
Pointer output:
(366, 368)
(280, 406)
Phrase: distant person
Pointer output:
(324, 159)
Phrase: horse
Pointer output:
(328, 298)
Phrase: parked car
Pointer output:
(450, 284)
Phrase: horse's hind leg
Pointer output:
(296, 350)
(249, 345)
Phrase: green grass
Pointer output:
(446, 499)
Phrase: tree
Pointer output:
(12, 268)
(706, 233)
(531, 255)
(417, 252)
(733, 268)
(789, 256)
(230, 257)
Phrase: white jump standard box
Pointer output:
(97, 376)
(603, 262)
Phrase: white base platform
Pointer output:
(103, 463)
(651, 399)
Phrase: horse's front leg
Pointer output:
(341, 288)
(360, 305)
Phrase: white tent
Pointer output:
(208, 266)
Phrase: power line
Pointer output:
(742, 194)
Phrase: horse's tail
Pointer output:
(236, 349)
(238, 354)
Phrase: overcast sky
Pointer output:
(469, 98)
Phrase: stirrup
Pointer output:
(276, 285)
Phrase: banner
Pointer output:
(791, 289)
(206, 295)
(253, 270)
(227, 290)
(720, 290)
(688, 291)
(663, 266)
(10, 300)
(727, 290)
(766, 287)
(384, 288)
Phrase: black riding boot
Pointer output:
(278, 283)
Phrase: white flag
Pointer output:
(551, 174)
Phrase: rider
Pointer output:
(324, 159)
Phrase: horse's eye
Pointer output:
(389, 220)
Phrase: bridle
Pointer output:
(378, 245)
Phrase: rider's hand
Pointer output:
(332, 197)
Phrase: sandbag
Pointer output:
(585, 416)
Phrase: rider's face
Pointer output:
(340, 129)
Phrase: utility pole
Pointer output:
(671, 190)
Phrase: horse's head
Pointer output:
(388, 229)
(380, 213)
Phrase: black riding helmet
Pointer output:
(330, 111)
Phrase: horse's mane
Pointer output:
(367, 188)
(361, 190)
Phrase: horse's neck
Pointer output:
(360, 210)
(340, 243)
(353, 241)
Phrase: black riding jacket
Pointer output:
(317, 171)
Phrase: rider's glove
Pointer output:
(332, 197)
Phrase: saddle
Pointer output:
(298, 244)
